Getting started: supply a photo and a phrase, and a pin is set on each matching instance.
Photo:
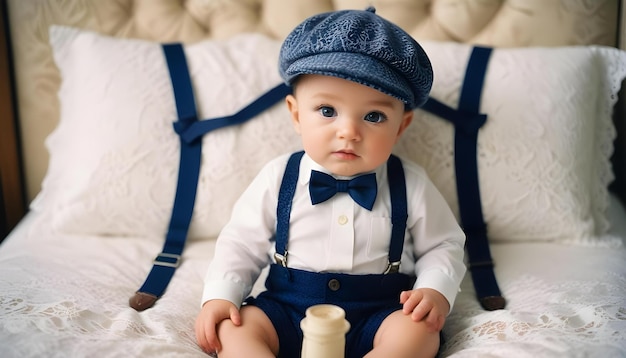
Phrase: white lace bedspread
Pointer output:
(63, 296)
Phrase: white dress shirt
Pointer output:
(337, 235)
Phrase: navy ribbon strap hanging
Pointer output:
(467, 121)
(189, 168)
(190, 131)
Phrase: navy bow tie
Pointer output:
(362, 189)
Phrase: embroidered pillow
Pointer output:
(114, 156)
(543, 154)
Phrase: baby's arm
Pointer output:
(439, 246)
(426, 304)
(213, 312)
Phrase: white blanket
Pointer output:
(67, 296)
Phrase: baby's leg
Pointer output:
(256, 337)
(400, 336)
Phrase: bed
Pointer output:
(90, 161)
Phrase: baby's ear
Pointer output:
(292, 106)
(407, 118)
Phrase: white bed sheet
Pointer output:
(67, 296)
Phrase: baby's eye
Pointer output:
(375, 117)
(327, 111)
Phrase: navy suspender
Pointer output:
(283, 209)
(397, 187)
(189, 168)
(467, 121)
(399, 214)
(190, 131)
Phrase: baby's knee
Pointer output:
(255, 337)
(400, 336)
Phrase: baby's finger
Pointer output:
(201, 335)
(214, 344)
(404, 295)
(413, 300)
(434, 320)
(235, 317)
(207, 338)
(421, 311)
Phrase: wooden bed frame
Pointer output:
(12, 196)
(12, 182)
(619, 118)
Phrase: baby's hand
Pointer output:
(426, 304)
(213, 312)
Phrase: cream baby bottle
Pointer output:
(324, 328)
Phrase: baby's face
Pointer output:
(346, 127)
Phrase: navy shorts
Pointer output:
(367, 300)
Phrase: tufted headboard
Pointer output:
(36, 80)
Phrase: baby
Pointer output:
(344, 222)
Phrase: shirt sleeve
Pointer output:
(438, 240)
(243, 246)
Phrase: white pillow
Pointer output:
(114, 156)
(544, 152)
(543, 155)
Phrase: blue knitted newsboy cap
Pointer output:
(362, 47)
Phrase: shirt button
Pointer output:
(334, 285)
(342, 220)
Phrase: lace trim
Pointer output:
(544, 317)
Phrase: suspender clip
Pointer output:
(167, 260)
(281, 259)
(393, 267)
